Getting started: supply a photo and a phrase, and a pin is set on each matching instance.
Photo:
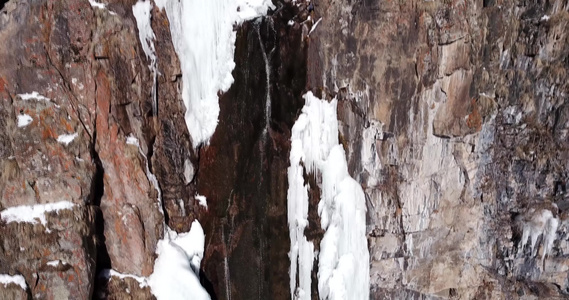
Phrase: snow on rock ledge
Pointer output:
(110, 273)
(33, 213)
(33, 96)
(204, 39)
(343, 270)
(66, 139)
(16, 279)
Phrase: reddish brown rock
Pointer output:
(452, 115)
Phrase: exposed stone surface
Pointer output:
(89, 63)
(453, 115)
(13, 291)
(122, 288)
(243, 170)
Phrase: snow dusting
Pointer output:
(176, 270)
(141, 11)
(204, 39)
(131, 140)
(343, 268)
(24, 120)
(66, 139)
(6, 279)
(33, 96)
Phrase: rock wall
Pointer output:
(453, 118)
(452, 114)
(88, 62)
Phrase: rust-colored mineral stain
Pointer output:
(474, 120)
(47, 133)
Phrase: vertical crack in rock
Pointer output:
(74, 101)
(226, 273)
(96, 194)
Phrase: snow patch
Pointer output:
(6, 279)
(55, 263)
(66, 138)
(24, 120)
(176, 270)
(343, 268)
(33, 213)
(204, 39)
(110, 273)
(141, 11)
(131, 140)
(97, 4)
(33, 96)
(202, 200)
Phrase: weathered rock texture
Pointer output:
(453, 115)
(454, 119)
(89, 62)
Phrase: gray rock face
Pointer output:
(453, 115)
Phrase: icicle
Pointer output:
(343, 269)
(204, 39)
(141, 11)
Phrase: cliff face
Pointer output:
(87, 65)
(454, 117)
(452, 114)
